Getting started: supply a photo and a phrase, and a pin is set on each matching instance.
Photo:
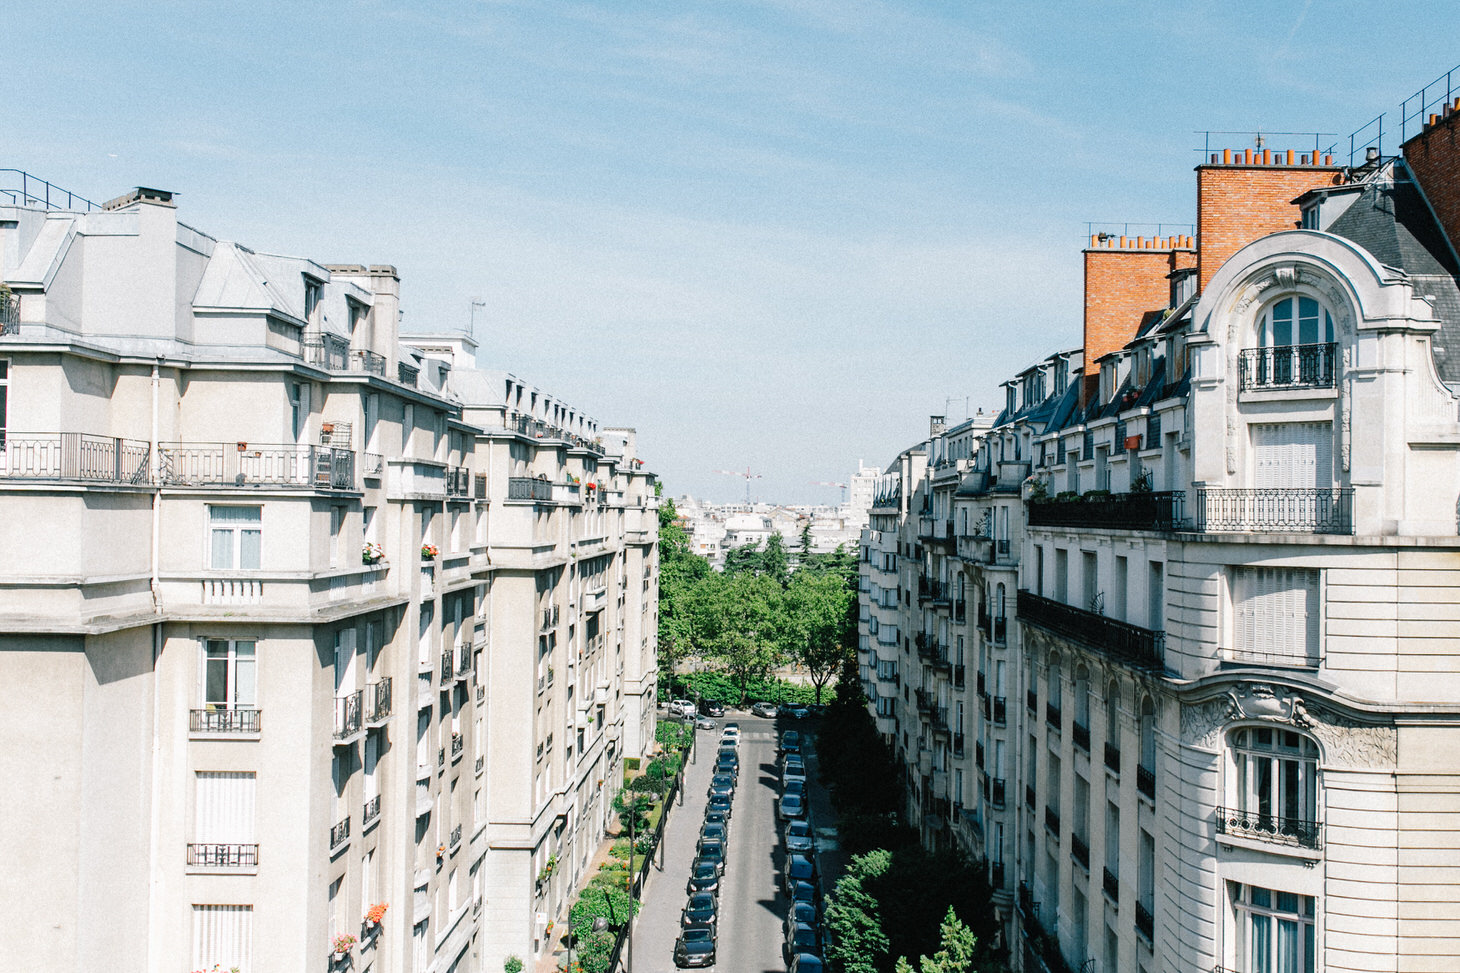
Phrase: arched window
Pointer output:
(1273, 790)
(1296, 350)
(1295, 321)
(1082, 697)
(1148, 734)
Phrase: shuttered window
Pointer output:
(1293, 455)
(225, 808)
(223, 935)
(1277, 614)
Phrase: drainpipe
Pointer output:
(154, 837)
(156, 493)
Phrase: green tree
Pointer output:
(955, 955)
(857, 942)
(743, 615)
(774, 562)
(680, 572)
(818, 636)
(746, 558)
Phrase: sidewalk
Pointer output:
(554, 960)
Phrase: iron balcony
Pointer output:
(1275, 509)
(1159, 511)
(1133, 645)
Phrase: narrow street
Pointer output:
(751, 904)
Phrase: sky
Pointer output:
(772, 236)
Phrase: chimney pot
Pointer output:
(1094, 240)
(1328, 160)
(1371, 154)
(1246, 157)
(1124, 243)
(1214, 158)
(1290, 156)
(1266, 157)
(1226, 157)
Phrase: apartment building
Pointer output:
(300, 616)
(1212, 558)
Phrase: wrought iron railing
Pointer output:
(1299, 510)
(1053, 717)
(1302, 832)
(1080, 851)
(458, 481)
(1145, 922)
(1052, 820)
(1146, 781)
(223, 855)
(348, 714)
(1143, 648)
(1001, 711)
(463, 660)
(1112, 757)
(367, 361)
(1288, 367)
(960, 676)
(73, 456)
(9, 315)
(249, 464)
(528, 488)
(377, 700)
(1031, 700)
(1111, 883)
(958, 744)
(371, 811)
(456, 836)
(448, 666)
(458, 744)
(224, 721)
(340, 833)
(327, 351)
(1080, 732)
(1029, 800)
(998, 787)
(1123, 511)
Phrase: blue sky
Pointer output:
(774, 235)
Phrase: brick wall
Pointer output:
(1120, 286)
(1239, 203)
(1434, 158)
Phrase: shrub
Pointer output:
(513, 964)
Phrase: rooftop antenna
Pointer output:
(473, 327)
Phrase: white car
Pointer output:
(731, 735)
(681, 707)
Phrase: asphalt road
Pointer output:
(751, 903)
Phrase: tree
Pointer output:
(680, 571)
(857, 942)
(819, 608)
(742, 615)
(957, 943)
(774, 562)
(746, 558)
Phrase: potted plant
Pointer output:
(430, 552)
(375, 914)
(343, 942)
(513, 964)
(372, 553)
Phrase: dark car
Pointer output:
(727, 763)
(803, 937)
(719, 802)
(794, 785)
(805, 892)
(713, 816)
(712, 708)
(722, 784)
(703, 877)
(710, 831)
(798, 868)
(695, 946)
(699, 910)
(800, 912)
(805, 963)
(796, 711)
(790, 742)
(714, 852)
(793, 769)
(793, 806)
(799, 839)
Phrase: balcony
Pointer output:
(348, 713)
(1052, 717)
(959, 677)
(926, 702)
(1029, 801)
(529, 488)
(1081, 734)
(242, 721)
(67, 456)
(241, 464)
(327, 351)
(996, 875)
(440, 759)
(458, 482)
(377, 702)
(370, 812)
(549, 618)
(1112, 757)
(1287, 367)
(1276, 510)
(1145, 922)
(1111, 884)
(1300, 832)
(448, 667)
(223, 856)
(999, 630)
(339, 834)
(368, 362)
(997, 789)
(407, 374)
(1052, 821)
(978, 755)
(958, 744)
(481, 762)
(960, 609)
(1031, 701)
(1001, 711)
(1120, 511)
(1080, 851)
(455, 837)
(458, 746)
(1139, 647)
(463, 660)
(1146, 781)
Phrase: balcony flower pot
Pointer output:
(341, 944)
(430, 552)
(372, 553)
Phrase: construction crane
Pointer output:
(748, 477)
(843, 487)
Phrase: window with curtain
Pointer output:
(1276, 932)
(236, 538)
(229, 674)
(223, 936)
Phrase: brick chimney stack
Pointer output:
(1433, 157)
(1124, 278)
(1244, 196)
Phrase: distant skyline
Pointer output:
(740, 227)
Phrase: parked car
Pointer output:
(712, 831)
(806, 963)
(793, 806)
(727, 763)
(722, 784)
(799, 839)
(681, 707)
(704, 723)
(719, 802)
(798, 868)
(790, 742)
(796, 711)
(730, 735)
(804, 913)
(767, 710)
(712, 707)
(712, 852)
(805, 892)
(722, 818)
(695, 946)
(703, 877)
(793, 769)
(699, 910)
(803, 937)
(793, 785)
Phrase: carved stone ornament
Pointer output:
(1345, 414)
(1284, 277)
(1345, 742)
(1260, 701)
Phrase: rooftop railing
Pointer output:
(327, 351)
(368, 362)
(1140, 647)
(1123, 511)
(20, 188)
(407, 374)
(250, 464)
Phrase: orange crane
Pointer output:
(843, 487)
(748, 477)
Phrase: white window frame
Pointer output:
(1272, 772)
(1248, 910)
(222, 935)
(228, 652)
(1271, 607)
(236, 529)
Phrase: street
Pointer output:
(751, 904)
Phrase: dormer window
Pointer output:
(1011, 401)
(313, 294)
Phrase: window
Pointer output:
(1156, 596)
(1274, 785)
(313, 293)
(236, 538)
(1292, 455)
(223, 816)
(229, 674)
(1275, 930)
(1276, 615)
(1295, 321)
(223, 936)
(337, 529)
(4, 395)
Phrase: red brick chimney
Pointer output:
(1244, 196)
(1124, 278)
(1433, 156)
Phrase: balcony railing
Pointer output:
(1277, 509)
(224, 721)
(348, 715)
(1270, 827)
(340, 833)
(999, 631)
(458, 481)
(1080, 851)
(1081, 734)
(1031, 700)
(1142, 648)
(1146, 781)
(1112, 757)
(250, 464)
(1124, 511)
(367, 361)
(9, 316)
(1001, 711)
(448, 666)
(1053, 717)
(1287, 367)
(960, 677)
(327, 351)
(1029, 801)
(377, 701)
(406, 374)
(463, 660)
(926, 702)
(455, 836)
(370, 812)
(1145, 922)
(997, 789)
(960, 609)
(73, 456)
(1111, 884)
(529, 488)
(223, 856)
(458, 744)
(1052, 820)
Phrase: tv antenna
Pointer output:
(472, 328)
